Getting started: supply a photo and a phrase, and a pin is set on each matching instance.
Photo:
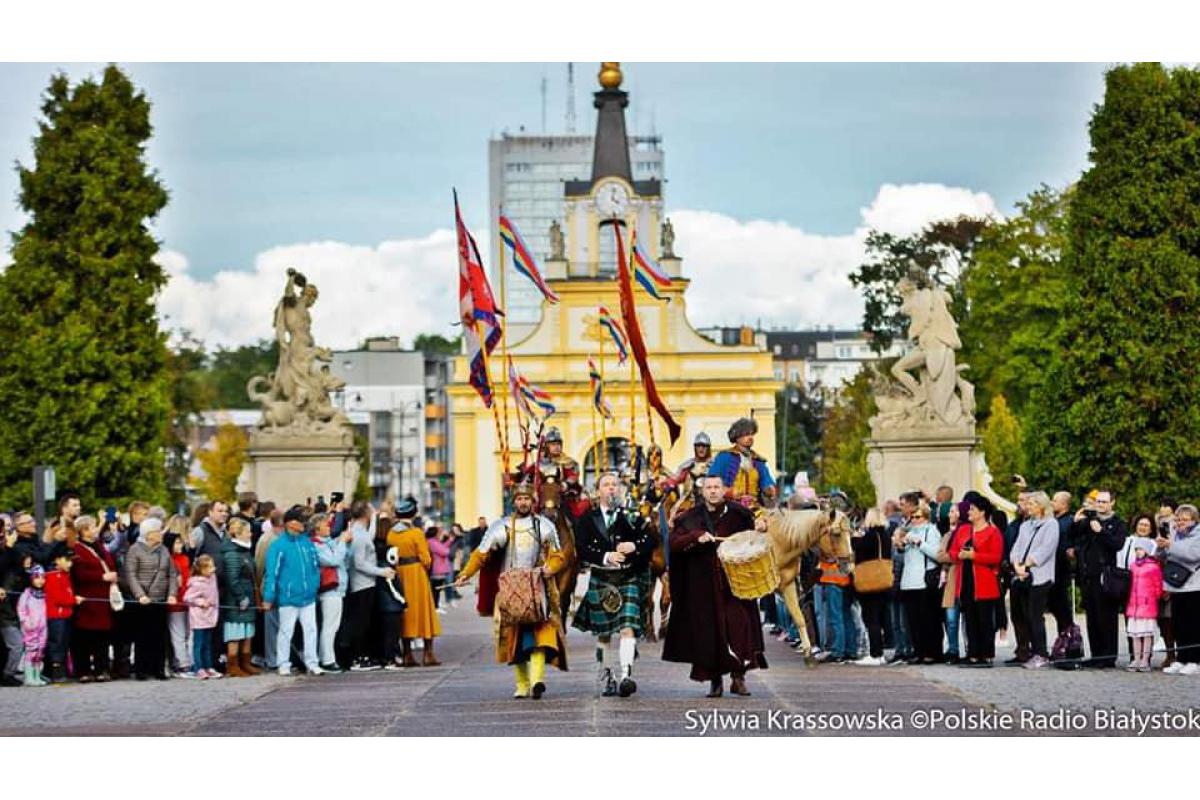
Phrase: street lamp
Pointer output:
(399, 455)
(790, 398)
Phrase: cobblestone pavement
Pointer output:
(471, 695)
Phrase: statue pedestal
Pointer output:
(909, 460)
(288, 468)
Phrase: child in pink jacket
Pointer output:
(1141, 613)
(202, 602)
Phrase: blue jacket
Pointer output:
(292, 574)
(728, 462)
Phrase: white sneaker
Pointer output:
(285, 672)
(441, 610)
(1174, 668)
(868, 661)
(315, 670)
(1190, 669)
(212, 674)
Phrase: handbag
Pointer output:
(329, 580)
(1115, 581)
(115, 598)
(521, 593)
(1175, 574)
(874, 575)
(933, 575)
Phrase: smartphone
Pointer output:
(336, 497)
(110, 514)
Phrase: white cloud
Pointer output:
(773, 272)
(741, 272)
(905, 210)
(399, 288)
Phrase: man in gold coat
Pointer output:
(524, 540)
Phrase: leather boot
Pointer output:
(428, 659)
(232, 668)
(737, 685)
(715, 688)
(409, 660)
(244, 660)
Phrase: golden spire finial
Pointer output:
(610, 74)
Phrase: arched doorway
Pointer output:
(616, 455)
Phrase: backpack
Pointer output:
(1068, 649)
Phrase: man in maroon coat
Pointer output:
(711, 629)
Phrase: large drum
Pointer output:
(749, 564)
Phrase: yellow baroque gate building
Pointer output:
(705, 385)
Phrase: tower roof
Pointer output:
(610, 158)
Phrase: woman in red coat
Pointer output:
(93, 572)
(978, 548)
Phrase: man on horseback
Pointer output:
(745, 473)
(616, 544)
(687, 478)
(559, 495)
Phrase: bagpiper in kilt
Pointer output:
(616, 545)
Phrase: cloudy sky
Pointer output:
(775, 173)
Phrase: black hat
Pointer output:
(743, 427)
(407, 508)
(294, 514)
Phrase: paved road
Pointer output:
(471, 695)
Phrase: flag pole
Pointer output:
(595, 447)
(503, 340)
(603, 416)
(487, 370)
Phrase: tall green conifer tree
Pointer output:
(1121, 408)
(82, 361)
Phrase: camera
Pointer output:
(1164, 529)
(336, 497)
(1091, 513)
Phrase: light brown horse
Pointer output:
(791, 534)
(658, 574)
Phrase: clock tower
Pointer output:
(610, 195)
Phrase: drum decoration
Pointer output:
(749, 564)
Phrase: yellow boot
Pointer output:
(537, 672)
(521, 676)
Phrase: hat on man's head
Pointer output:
(702, 439)
(37, 571)
(553, 435)
(294, 514)
(407, 508)
(524, 488)
(743, 427)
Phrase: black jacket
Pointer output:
(1094, 550)
(592, 540)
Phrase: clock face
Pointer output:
(612, 200)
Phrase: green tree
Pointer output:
(843, 445)
(940, 255)
(1119, 406)
(434, 344)
(222, 463)
(362, 488)
(805, 417)
(82, 360)
(190, 393)
(1003, 445)
(229, 369)
(1016, 292)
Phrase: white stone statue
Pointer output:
(297, 399)
(931, 392)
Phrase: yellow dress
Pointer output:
(420, 618)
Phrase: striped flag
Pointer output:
(616, 332)
(646, 272)
(528, 395)
(598, 399)
(477, 308)
(523, 258)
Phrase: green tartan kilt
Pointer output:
(625, 594)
